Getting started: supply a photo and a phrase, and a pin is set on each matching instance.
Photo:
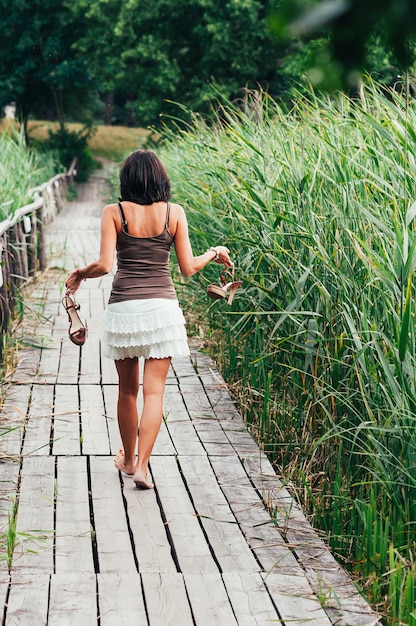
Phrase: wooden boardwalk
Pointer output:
(218, 542)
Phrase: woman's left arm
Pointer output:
(104, 263)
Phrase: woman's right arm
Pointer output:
(104, 263)
(188, 263)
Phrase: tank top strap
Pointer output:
(124, 226)
(167, 216)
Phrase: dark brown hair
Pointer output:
(143, 178)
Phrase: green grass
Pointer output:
(318, 208)
(20, 170)
(110, 142)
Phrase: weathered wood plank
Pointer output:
(90, 360)
(49, 361)
(13, 417)
(110, 522)
(94, 424)
(73, 543)
(179, 424)
(120, 599)
(222, 528)
(151, 543)
(35, 520)
(9, 477)
(110, 393)
(39, 423)
(295, 600)
(255, 522)
(166, 600)
(26, 370)
(209, 600)
(69, 360)
(73, 600)
(190, 545)
(250, 599)
(28, 601)
(66, 421)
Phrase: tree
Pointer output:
(37, 67)
(358, 35)
(176, 50)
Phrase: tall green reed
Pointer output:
(318, 208)
(21, 169)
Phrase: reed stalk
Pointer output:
(318, 207)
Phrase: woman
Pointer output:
(143, 318)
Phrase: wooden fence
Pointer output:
(22, 243)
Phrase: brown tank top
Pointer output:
(142, 265)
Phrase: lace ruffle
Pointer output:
(158, 333)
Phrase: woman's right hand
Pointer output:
(223, 256)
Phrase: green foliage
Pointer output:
(70, 144)
(20, 170)
(353, 31)
(76, 60)
(38, 70)
(318, 209)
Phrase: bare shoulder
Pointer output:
(177, 217)
(110, 209)
(177, 211)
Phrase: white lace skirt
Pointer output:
(151, 328)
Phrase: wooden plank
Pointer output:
(322, 570)
(120, 599)
(70, 357)
(184, 436)
(255, 521)
(110, 522)
(27, 367)
(35, 520)
(110, 393)
(94, 424)
(151, 543)
(4, 591)
(66, 421)
(222, 528)
(39, 423)
(73, 543)
(49, 361)
(163, 444)
(9, 478)
(190, 545)
(209, 600)
(13, 417)
(250, 599)
(179, 424)
(166, 600)
(90, 359)
(73, 600)
(295, 600)
(28, 600)
(108, 370)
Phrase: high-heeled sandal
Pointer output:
(77, 331)
(216, 292)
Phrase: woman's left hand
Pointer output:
(73, 281)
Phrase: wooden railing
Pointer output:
(22, 242)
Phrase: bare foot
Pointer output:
(119, 462)
(141, 481)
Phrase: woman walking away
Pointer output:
(143, 317)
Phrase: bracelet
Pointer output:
(216, 257)
(79, 274)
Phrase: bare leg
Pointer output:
(128, 388)
(154, 378)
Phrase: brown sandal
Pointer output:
(77, 331)
(217, 292)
